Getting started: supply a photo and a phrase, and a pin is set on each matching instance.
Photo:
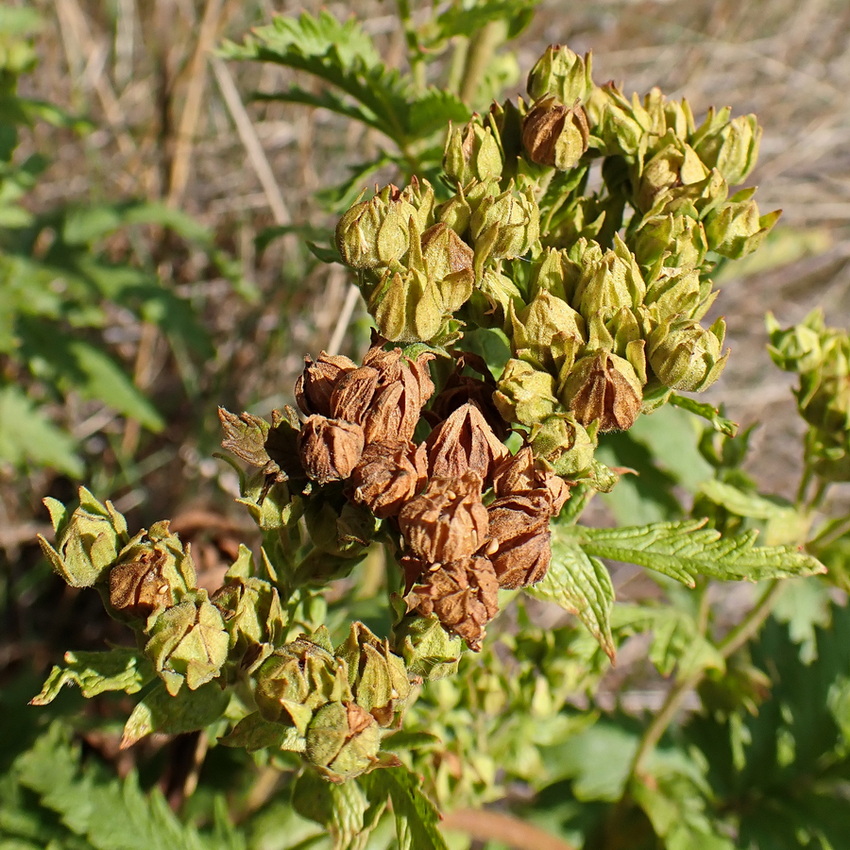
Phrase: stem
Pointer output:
(730, 644)
(479, 55)
(414, 53)
(490, 825)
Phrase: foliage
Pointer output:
(427, 618)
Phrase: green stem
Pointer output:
(479, 55)
(730, 644)
(414, 52)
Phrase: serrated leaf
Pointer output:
(461, 19)
(97, 672)
(415, 815)
(187, 711)
(107, 812)
(27, 436)
(581, 585)
(684, 550)
(364, 89)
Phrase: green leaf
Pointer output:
(706, 411)
(253, 732)
(107, 812)
(415, 816)
(364, 89)
(580, 584)
(94, 673)
(76, 365)
(28, 437)
(683, 550)
(676, 639)
(187, 711)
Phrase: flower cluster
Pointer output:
(821, 357)
(601, 294)
(456, 551)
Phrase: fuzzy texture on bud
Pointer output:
(525, 475)
(472, 153)
(562, 73)
(526, 395)
(342, 741)
(139, 587)
(506, 225)
(446, 522)
(376, 232)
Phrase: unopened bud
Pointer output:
(561, 73)
(472, 153)
(554, 134)
(687, 356)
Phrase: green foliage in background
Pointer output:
(538, 284)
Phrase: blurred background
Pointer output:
(198, 203)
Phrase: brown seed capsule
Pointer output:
(138, 588)
(464, 442)
(445, 252)
(316, 383)
(606, 388)
(330, 448)
(519, 546)
(464, 596)
(446, 522)
(353, 394)
(523, 474)
(554, 134)
(389, 475)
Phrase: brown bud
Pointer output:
(445, 252)
(464, 596)
(353, 394)
(606, 388)
(446, 522)
(330, 448)
(389, 475)
(462, 442)
(403, 388)
(554, 134)
(139, 587)
(523, 474)
(519, 546)
(316, 383)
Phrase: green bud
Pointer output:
(799, 348)
(828, 454)
(622, 333)
(456, 212)
(605, 389)
(556, 273)
(428, 650)
(506, 225)
(377, 677)
(343, 741)
(677, 294)
(251, 611)
(445, 253)
(526, 395)
(407, 307)
(667, 115)
(609, 283)
(620, 127)
(297, 679)
(420, 195)
(561, 73)
(554, 134)
(729, 146)
(671, 241)
(87, 542)
(737, 229)
(676, 164)
(188, 643)
(548, 329)
(492, 300)
(472, 153)
(565, 444)
(685, 356)
(376, 232)
(339, 527)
